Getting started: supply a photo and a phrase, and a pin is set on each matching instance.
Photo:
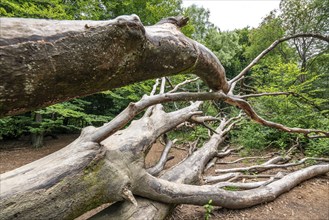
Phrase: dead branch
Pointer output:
(170, 192)
(183, 83)
(220, 178)
(245, 106)
(249, 185)
(279, 175)
(242, 159)
(264, 94)
(227, 152)
(230, 176)
(193, 147)
(270, 48)
(260, 168)
(154, 88)
(211, 163)
(155, 170)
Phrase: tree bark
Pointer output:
(37, 137)
(84, 174)
(44, 62)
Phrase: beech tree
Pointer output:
(47, 61)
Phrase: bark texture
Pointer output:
(45, 61)
(84, 174)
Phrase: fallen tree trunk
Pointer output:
(46, 61)
(107, 164)
(188, 171)
(92, 171)
(84, 174)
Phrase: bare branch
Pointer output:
(202, 119)
(264, 94)
(169, 192)
(163, 85)
(134, 108)
(193, 146)
(271, 47)
(211, 163)
(154, 88)
(243, 158)
(229, 177)
(263, 167)
(235, 175)
(245, 106)
(155, 170)
(183, 83)
(149, 110)
(250, 185)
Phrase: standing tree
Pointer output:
(306, 16)
(43, 64)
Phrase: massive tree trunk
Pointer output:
(88, 173)
(85, 174)
(45, 61)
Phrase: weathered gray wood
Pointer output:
(188, 172)
(169, 192)
(46, 61)
(84, 174)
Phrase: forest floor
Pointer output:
(309, 200)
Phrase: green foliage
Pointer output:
(13, 127)
(199, 24)
(306, 16)
(208, 208)
(251, 136)
(279, 71)
(231, 188)
(263, 36)
(318, 147)
(150, 11)
(33, 9)
(225, 45)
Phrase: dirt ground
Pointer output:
(309, 200)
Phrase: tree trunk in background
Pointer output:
(37, 137)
